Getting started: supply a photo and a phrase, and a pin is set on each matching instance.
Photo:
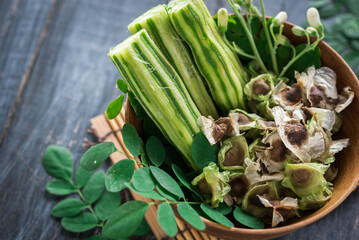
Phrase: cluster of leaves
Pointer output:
(93, 206)
(284, 54)
(170, 187)
(343, 33)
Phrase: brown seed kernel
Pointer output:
(222, 128)
(243, 119)
(260, 87)
(239, 186)
(276, 151)
(301, 175)
(234, 156)
(316, 95)
(293, 94)
(296, 133)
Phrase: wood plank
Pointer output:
(21, 23)
(72, 81)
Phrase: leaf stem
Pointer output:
(269, 40)
(249, 35)
(132, 158)
(295, 58)
(88, 205)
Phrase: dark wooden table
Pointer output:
(55, 76)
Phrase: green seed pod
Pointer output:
(232, 153)
(212, 184)
(252, 204)
(305, 179)
(264, 109)
(315, 201)
(298, 31)
(260, 88)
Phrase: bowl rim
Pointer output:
(278, 231)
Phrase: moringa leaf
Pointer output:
(58, 162)
(216, 216)
(81, 177)
(190, 215)
(125, 220)
(247, 219)
(96, 155)
(131, 139)
(118, 174)
(166, 219)
(152, 194)
(142, 180)
(155, 151)
(224, 209)
(183, 179)
(166, 181)
(107, 204)
(202, 151)
(122, 85)
(94, 187)
(60, 187)
(68, 208)
(115, 107)
(142, 229)
(168, 195)
(80, 223)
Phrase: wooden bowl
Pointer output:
(347, 161)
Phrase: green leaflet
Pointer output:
(166, 219)
(81, 177)
(202, 151)
(96, 155)
(122, 85)
(119, 174)
(216, 216)
(142, 180)
(68, 208)
(125, 219)
(58, 162)
(190, 215)
(80, 223)
(114, 108)
(107, 204)
(247, 220)
(60, 187)
(131, 139)
(155, 151)
(166, 181)
(94, 187)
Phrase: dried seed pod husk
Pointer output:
(275, 155)
(282, 210)
(251, 202)
(324, 116)
(331, 173)
(239, 187)
(338, 145)
(321, 89)
(305, 179)
(255, 146)
(217, 130)
(339, 117)
(232, 153)
(212, 184)
(289, 97)
(257, 173)
(260, 88)
(243, 120)
(306, 145)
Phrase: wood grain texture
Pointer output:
(72, 81)
(21, 23)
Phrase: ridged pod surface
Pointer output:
(218, 64)
(158, 25)
(159, 89)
